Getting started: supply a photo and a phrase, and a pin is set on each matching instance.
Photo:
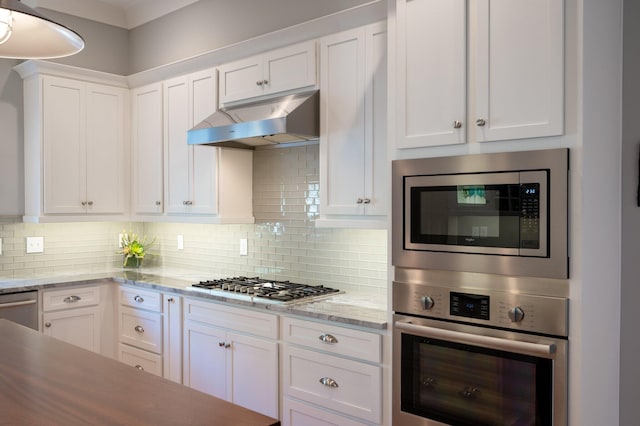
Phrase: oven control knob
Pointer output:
(427, 302)
(516, 314)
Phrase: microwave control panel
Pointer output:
(530, 215)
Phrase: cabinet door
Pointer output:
(254, 373)
(376, 188)
(520, 69)
(80, 327)
(291, 67)
(147, 149)
(177, 160)
(431, 72)
(342, 123)
(172, 351)
(204, 167)
(64, 129)
(105, 140)
(241, 79)
(205, 360)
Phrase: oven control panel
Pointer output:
(469, 305)
(534, 313)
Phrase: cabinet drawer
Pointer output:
(339, 384)
(141, 329)
(244, 320)
(75, 297)
(142, 360)
(295, 413)
(336, 340)
(142, 299)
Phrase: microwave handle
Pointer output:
(513, 346)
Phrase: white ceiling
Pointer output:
(121, 13)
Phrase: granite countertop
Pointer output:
(359, 309)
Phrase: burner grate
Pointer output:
(281, 291)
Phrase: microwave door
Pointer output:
(472, 213)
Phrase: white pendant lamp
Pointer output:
(27, 34)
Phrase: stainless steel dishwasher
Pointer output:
(21, 307)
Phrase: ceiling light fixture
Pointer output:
(27, 34)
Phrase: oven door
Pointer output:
(449, 373)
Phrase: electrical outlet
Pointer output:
(180, 242)
(35, 245)
(243, 247)
(0, 246)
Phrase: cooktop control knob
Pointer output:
(427, 302)
(516, 314)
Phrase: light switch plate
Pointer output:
(243, 247)
(35, 245)
(180, 242)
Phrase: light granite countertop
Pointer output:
(358, 309)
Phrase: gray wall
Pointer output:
(106, 47)
(211, 24)
(630, 292)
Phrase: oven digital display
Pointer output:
(469, 305)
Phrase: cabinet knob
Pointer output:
(367, 201)
(90, 203)
(221, 344)
(259, 83)
(84, 203)
(139, 367)
(457, 124)
(187, 203)
(158, 203)
(480, 122)
(327, 338)
(47, 324)
(170, 300)
(71, 299)
(328, 381)
(139, 329)
(265, 82)
(359, 201)
(138, 299)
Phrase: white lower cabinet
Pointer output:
(330, 374)
(232, 353)
(150, 331)
(74, 316)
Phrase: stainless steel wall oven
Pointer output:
(503, 213)
(469, 350)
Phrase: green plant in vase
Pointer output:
(134, 249)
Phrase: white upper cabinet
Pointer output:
(520, 69)
(474, 71)
(202, 180)
(289, 68)
(75, 140)
(431, 72)
(147, 152)
(353, 171)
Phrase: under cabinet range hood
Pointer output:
(284, 119)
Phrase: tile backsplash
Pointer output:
(282, 244)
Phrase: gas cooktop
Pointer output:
(266, 290)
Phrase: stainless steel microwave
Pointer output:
(503, 213)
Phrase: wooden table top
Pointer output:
(44, 381)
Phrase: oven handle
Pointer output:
(514, 346)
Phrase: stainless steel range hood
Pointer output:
(290, 118)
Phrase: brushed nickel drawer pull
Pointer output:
(328, 381)
(139, 329)
(71, 299)
(327, 338)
